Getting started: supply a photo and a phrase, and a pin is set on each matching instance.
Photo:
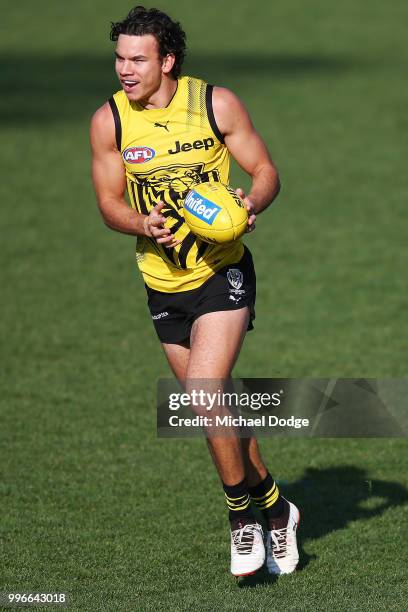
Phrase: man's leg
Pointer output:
(216, 339)
(178, 356)
(255, 469)
(215, 342)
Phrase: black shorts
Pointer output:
(231, 288)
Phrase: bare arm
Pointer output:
(109, 181)
(247, 147)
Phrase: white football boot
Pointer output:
(247, 549)
(282, 554)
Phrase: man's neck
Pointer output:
(162, 97)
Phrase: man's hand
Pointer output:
(250, 208)
(153, 225)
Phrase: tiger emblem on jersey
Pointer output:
(177, 178)
(171, 184)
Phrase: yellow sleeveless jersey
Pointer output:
(166, 151)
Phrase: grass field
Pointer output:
(92, 503)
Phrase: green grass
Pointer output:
(91, 501)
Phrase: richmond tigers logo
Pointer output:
(170, 184)
(179, 179)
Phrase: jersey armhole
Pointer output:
(118, 125)
(210, 113)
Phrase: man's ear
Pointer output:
(168, 63)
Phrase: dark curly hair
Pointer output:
(169, 34)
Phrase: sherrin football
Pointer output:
(215, 213)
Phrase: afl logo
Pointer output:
(138, 155)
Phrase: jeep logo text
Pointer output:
(206, 144)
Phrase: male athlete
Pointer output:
(157, 137)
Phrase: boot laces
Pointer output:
(243, 539)
(279, 542)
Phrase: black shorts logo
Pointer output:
(235, 278)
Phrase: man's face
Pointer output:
(138, 66)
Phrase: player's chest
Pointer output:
(165, 142)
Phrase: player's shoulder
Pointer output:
(228, 108)
(222, 94)
(102, 117)
(102, 129)
(226, 100)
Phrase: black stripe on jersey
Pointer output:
(133, 196)
(139, 200)
(118, 125)
(159, 249)
(186, 245)
(210, 113)
(168, 253)
(201, 250)
(173, 215)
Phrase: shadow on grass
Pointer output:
(42, 88)
(262, 577)
(328, 500)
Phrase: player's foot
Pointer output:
(247, 548)
(282, 554)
